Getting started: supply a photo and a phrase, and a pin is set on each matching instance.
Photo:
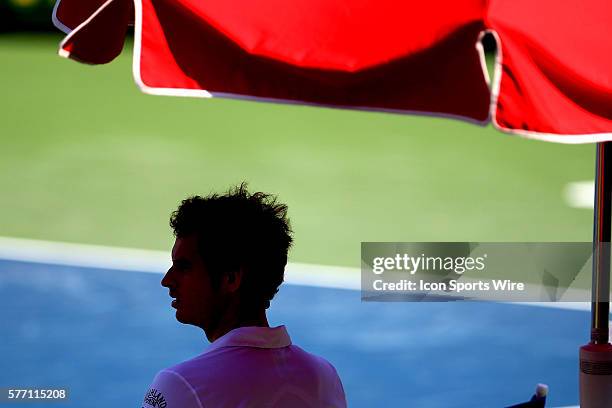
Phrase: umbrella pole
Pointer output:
(602, 230)
(596, 357)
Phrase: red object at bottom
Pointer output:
(596, 376)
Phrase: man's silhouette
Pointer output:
(228, 261)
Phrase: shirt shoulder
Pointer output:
(319, 363)
(333, 394)
(170, 389)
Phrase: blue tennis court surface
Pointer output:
(105, 333)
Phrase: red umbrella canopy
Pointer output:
(554, 62)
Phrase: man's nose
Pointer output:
(166, 280)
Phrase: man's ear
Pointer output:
(232, 280)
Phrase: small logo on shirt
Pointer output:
(155, 399)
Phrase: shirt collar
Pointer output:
(253, 336)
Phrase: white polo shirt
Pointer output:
(249, 367)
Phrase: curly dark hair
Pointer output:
(239, 230)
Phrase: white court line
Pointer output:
(143, 260)
(580, 194)
(150, 261)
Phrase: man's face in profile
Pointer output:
(189, 283)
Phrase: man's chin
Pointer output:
(181, 318)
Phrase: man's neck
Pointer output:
(236, 320)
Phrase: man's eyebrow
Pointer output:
(181, 261)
